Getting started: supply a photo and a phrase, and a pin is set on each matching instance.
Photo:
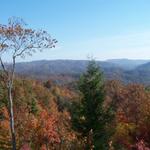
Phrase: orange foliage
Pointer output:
(46, 130)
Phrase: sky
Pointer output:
(103, 29)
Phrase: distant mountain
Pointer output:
(127, 64)
(45, 69)
(66, 71)
(141, 74)
(145, 67)
(58, 66)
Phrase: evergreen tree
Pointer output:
(33, 107)
(89, 116)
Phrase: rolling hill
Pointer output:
(66, 71)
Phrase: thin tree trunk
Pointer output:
(89, 145)
(11, 114)
(9, 83)
(47, 146)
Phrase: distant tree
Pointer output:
(18, 41)
(33, 106)
(90, 117)
(48, 84)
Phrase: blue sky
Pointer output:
(104, 29)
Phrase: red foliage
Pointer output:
(140, 145)
(25, 147)
(46, 129)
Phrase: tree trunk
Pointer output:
(90, 140)
(47, 148)
(11, 114)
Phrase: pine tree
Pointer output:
(89, 116)
(33, 107)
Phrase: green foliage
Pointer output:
(1, 102)
(3, 98)
(62, 103)
(89, 116)
(33, 107)
(147, 88)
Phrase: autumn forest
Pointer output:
(88, 112)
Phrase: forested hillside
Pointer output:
(66, 71)
(44, 115)
(74, 75)
(69, 104)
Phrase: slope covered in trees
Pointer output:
(43, 114)
(66, 71)
(41, 118)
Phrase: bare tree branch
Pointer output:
(3, 66)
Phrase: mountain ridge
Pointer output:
(72, 69)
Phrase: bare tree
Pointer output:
(18, 41)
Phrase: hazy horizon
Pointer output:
(120, 59)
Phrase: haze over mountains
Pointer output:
(126, 70)
(128, 64)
